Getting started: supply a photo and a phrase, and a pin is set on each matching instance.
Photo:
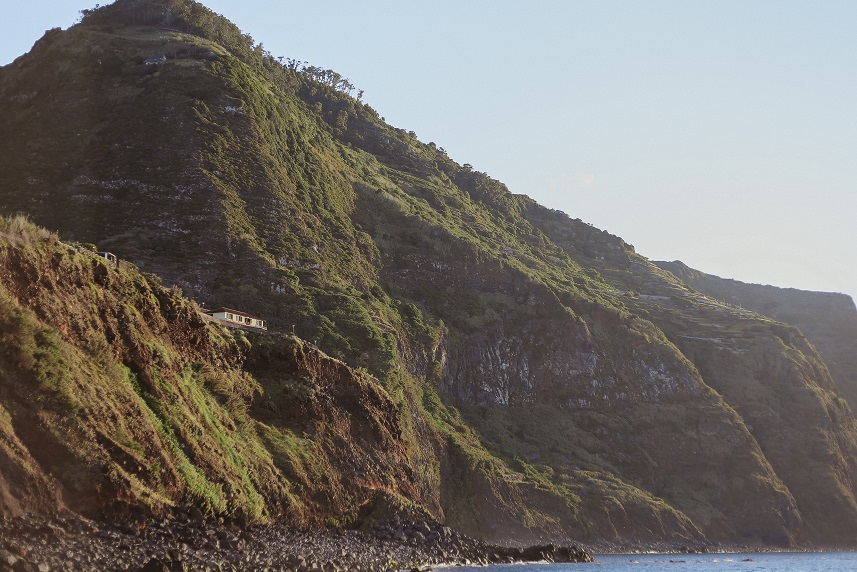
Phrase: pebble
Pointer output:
(190, 542)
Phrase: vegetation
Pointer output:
(168, 410)
(439, 343)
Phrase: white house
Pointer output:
(237, 318)
(110, 257)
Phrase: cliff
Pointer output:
(828, 320)
(466, 352)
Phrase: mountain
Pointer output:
(828, 320)
(458, 350)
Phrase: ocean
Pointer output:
(764, 562)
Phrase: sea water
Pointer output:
(761, 562)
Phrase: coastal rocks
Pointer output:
(182, 543)
(450, 546)
(415, 532)
(543, 553)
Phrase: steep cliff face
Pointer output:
(599, 395)
(775, 380)
(772, 395)
(828, 320)
(505, 368)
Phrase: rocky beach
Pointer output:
(248, 324)
(190, 542)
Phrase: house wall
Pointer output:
(239, 319)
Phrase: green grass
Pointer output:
(252, 184)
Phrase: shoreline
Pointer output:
(715, 549)
(190, 542)
(72, 542)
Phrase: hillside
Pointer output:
(117, 395)
(828, 320)
(504, 368)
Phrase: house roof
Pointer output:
(231, 311)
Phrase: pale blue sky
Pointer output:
(723, 134)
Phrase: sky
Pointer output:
(722, 134)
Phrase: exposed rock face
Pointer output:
(468, 354)
(772, 391)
